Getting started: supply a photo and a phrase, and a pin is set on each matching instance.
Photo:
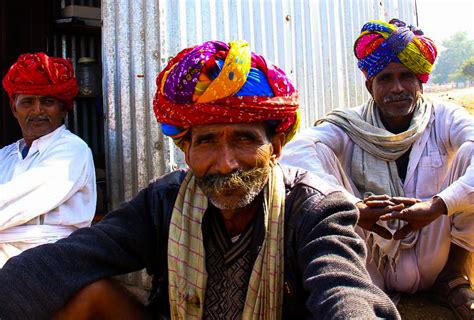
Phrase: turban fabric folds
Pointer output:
(39, 74)
(216, 82)
(381, 43)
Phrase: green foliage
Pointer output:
(458, 48)
(467, 68)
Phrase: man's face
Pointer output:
(395, 91)
(231, 162)
(37, 115)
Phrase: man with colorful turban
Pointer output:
(47, 179)
(408, 163)
(234, 236)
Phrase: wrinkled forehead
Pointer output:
(393, 69)
(21, 97)
(216, 128)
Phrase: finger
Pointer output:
(381, 210)
(408, 201)
(377, 197)
(381, 231)
(401, 215)
(379, 203)
(402, 233)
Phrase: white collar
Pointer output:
(39, 144)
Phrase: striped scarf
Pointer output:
(186, 257)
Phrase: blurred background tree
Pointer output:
(458, 48)
(467, 68)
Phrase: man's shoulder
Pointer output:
(66, 136)
(66, 143)
(171, 180)
(297, 178)
(8, 150)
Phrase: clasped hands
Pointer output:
(415, 212)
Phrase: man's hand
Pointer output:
(418, 215)
(372, 208)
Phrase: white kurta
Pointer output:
(432, 170)
(47, 195)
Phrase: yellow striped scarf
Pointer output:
(186, 258)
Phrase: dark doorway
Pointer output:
(25, 26)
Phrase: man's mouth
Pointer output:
(398, 98)
(38, 119)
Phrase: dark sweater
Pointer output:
(325, 277)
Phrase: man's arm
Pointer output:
(456, 129)
(63, 172)
(37, 283)
(332, 257)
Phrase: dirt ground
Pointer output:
(421, 306)
(463, 97)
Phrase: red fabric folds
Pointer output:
(39, 74)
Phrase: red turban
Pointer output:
(38, 74)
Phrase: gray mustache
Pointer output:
(231, 180)
(37, 118)
(398, 97)
(237, 179)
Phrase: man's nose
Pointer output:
(227, 161)
(397, 86)
(37, 105)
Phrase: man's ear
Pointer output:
(278, 141)
(13, 109)
(186, 146)
(368, 85)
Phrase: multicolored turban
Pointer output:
(38, 74)
(381, 43)
(216, 82)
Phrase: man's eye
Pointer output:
(203, 140)
(408, 75)
(49, 101)
(25, 102)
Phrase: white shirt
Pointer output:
(430, 158)
(47, 195)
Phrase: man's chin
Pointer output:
(231, 202)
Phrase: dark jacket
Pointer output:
(325, 277)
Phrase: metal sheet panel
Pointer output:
(311, 40)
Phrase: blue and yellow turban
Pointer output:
(381, 43)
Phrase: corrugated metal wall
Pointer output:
(311, 40)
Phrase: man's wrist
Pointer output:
(439, 205)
